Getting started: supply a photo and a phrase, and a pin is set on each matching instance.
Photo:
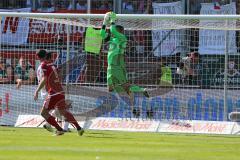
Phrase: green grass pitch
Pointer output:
(38, 144)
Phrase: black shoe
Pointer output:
(68, 130)
(48, 128)
(80, 131)
(145, 93)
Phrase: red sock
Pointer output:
(51, 120)
(69, 117)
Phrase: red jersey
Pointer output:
(53, 83)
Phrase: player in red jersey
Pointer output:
(56, 95)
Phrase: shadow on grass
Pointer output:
(99, 133)
(106, 137)
(7, 128)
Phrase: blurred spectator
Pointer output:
(143, 6)
(6, 75)
(233, 74)
(102, 4)
(70, 5)
(81, 5)
(45, 6)
(29, 4)
(128, 7)
(62, 5)
(149, 8)
(189, 69)
(24, 73)
(105, 5)
(232, 68)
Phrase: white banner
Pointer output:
(203, 127)
(116, 124)
(166, 42)
(213, 41)
(14, 30)
(32, 121)
(29, 121)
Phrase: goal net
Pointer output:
(188, 64)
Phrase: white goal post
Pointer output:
(159, 47)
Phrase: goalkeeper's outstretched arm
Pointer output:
(106, 22)
(109, 20)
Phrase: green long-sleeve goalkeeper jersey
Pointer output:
(118, 42)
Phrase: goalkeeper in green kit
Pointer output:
(116, 72)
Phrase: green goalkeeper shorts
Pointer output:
(116, 77)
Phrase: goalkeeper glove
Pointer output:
(106, 20)
(113, 17)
